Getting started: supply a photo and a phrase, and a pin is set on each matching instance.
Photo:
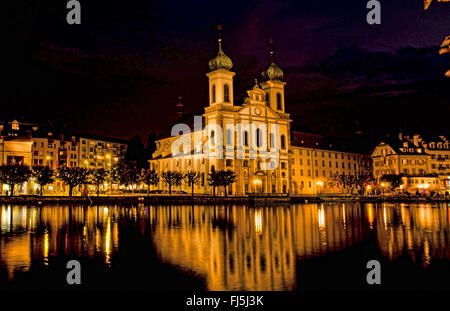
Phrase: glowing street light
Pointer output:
(256, 182)
(318, 185)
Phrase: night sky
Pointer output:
(120, 71)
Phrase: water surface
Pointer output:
(291, 247)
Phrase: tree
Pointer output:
(150, 178)
(346, 181)
(13, 174)
(192, 178)
(393, 180)
(73, 176)
(214, 180)
(43, 176)
(172, 178)
(221, 178)
(227, 178)
(363, 180)
(151, 145)
(136, 153)
(98, 175)
(126, 173)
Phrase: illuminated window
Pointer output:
(15, 125)
(246, 138)
(213, 92)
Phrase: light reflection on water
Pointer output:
(231, 248)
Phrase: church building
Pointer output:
(253, 139)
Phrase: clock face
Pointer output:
(257, 111)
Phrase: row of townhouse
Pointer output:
(423, 162)
(36, 145)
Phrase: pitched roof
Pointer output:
(319, 141)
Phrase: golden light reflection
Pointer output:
(258, 222)
(321, 218)
(422, 232)
(232, 248)
(370, 214)
(108, 241)
(46, 247)
(344, 219)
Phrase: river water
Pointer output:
(268, 248)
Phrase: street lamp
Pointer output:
(318, 184)
(256, 182)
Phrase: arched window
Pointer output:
(246, 138)
(258, 138)
(212, 138)
(283, 142)
(213, 93)
(226, 93)
(272, 141)
(279, 101)
(15, 125)
(229, 138)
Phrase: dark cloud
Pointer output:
(119, 73)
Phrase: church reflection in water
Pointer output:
(231, 248)
(242, 248)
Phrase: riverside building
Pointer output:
(255, 140)
(424, 163)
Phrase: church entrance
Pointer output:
(259, 182)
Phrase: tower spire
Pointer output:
(219, 34)
(180, 107)
(221, 61)
(271, 50)
(272, 72)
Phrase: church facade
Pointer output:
(253, 139)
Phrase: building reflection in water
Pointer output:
(231, 248)
(421, 231)
(40, 233)
(242, 248)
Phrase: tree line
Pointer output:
(123, 173)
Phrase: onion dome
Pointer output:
(221, 61)
(273, 72)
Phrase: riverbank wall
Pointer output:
(204, 200)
